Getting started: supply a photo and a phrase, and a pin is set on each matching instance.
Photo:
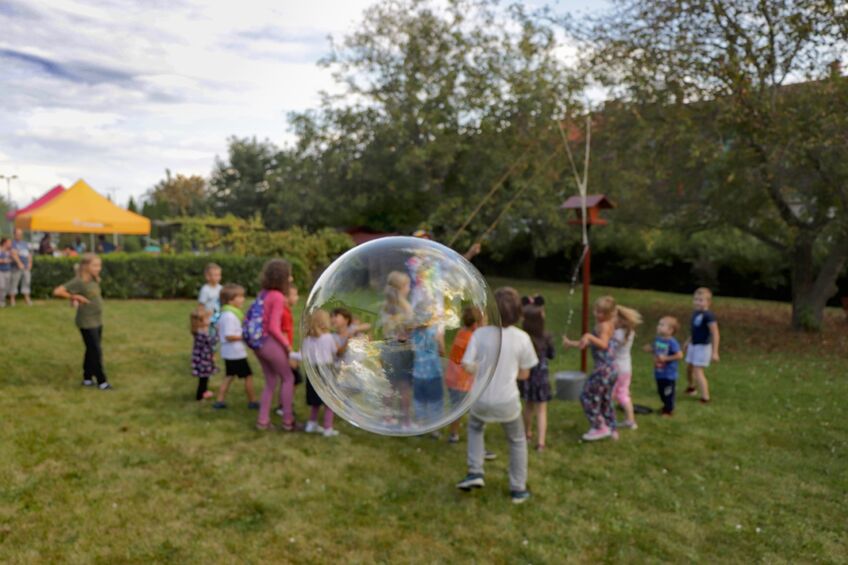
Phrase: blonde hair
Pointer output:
(628, 318)
(395, 303)
(199, 318)
(672, 321)
(211, 267)
(319, 323)
(605, 304)
(705, 292)
(82, 268)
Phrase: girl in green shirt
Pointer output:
(84, 292)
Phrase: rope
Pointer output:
(515, 198)
(491, 193)
(582, 186)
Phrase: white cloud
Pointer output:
(115, 91)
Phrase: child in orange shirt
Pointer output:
(457, 379)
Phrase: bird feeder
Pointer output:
(594, 204)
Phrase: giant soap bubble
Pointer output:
(407, 298)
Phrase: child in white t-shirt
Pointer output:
(233, 351)
(626, 320)
(210, 293)
(320, 351)
(513, 356)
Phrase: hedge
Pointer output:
(140, 275)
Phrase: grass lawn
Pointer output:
(146, 474)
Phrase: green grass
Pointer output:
(145, 474)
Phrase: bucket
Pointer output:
(569, 384)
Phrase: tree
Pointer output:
(132, 206)
(740, 121)
(178, 195)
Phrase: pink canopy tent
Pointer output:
(41, 201)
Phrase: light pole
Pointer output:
(9, 179)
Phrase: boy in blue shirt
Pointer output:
(667, 353)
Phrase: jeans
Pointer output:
(517, 440)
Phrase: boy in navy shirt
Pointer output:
(702, 346)
(667, 353)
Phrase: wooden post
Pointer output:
(586, 278)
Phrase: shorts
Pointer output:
(456, 396)
(398, 359)
(699, 354)
(237, 368)
(22, 279)
(427, 390)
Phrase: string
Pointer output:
(491, 193)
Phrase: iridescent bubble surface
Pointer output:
(398, 371)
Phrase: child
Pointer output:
(210, 293)
(292, 298)
(511, 357)
(202, 352)
(703, 344)
(233, 351)
(597, 392)
(536, 391)
(457, 379)
(84, 292)
(626, 320)
(319, 350)
(397, 355)
(667, 353)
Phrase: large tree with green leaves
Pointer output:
(436, 100)
(741, 117)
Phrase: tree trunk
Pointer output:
(810, 289)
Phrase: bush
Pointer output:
(157, 276)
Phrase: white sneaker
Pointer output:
(330, 432)
(87, 382)
(279, 412)
(313, 428)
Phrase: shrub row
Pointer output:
(139, 275)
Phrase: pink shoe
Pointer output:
(597, 433)
(614, 435)
(207, 394)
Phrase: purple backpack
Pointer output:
(252, 330)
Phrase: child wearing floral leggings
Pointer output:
(597, 392)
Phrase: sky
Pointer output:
(116, 92)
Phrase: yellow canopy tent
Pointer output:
(80, 209)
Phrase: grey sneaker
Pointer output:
(490, 456)
(105, 386)
(87, 382)
(519, 496)
(471, 480)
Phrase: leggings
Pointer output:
(202, 387)
(597, 398)
(92, 365)
(276, 368)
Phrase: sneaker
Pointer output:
(704, 400)
(597, 433)
(691, 391)
(330, 432)
(436, 435)
(105, 386)
(87, 382)
(629, 424)
(614, 435)
(207, 394)
(253, 406)
(471, 480)
(664, 414)
(279, 411)
(219, 405)
(453, 438)
(313, 428)
(490, 456)
(519, 496)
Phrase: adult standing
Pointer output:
(21, 269)
(46, 246)
(278, 335)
